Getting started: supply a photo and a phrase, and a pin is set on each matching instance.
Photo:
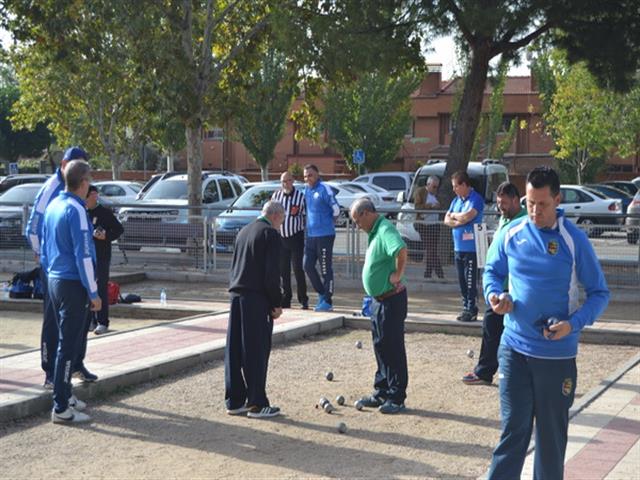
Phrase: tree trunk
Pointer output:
(465, 126)
(193, 132)
(264, 172)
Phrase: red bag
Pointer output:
(113, 292)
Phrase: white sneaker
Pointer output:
(70, 416)
(100, 329)
(76, 403)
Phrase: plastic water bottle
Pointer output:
(163, 297)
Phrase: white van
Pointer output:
(485, 178)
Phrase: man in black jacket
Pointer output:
(106, 229)
(256, 301)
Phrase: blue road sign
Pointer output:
(13, 168)
(358, 156)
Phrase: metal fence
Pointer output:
(176, 238)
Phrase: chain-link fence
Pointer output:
(180, 239)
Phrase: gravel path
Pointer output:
(176, 427)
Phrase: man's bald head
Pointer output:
(286, 181)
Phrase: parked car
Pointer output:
(632, 221)
(387, 199)
(118, 191)
(589, 207)
(243, 211)
(629, 187)
(612, 192)
(20, 179)
(12, 213)
(394, 182)
(636, 182)
(485, 178)
(162, 219)
(163, 176)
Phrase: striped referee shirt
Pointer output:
(294, 211)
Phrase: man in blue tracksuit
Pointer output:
(544, 257)
(49, 336)
(465, 210)
(322, 211)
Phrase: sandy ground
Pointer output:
(20, 331)
(176, 427)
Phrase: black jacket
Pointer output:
(256, 262)
(103, 217)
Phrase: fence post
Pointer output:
(205, 223)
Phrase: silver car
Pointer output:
(633, 219)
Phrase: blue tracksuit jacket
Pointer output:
(50, 190)
(67, 249)
(322, 208)
(544, 267)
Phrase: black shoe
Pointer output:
(391, 407)
(468, 317)
(371, 401)
(85, 375)
(286, 305)
(462, 314)
(305, 306)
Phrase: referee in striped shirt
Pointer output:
(292, 233)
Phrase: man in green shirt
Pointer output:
(508, 202)
(383, 279)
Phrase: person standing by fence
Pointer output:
(429, 225)
(292, 233)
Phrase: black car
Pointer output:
(21, 178)
(13, 214)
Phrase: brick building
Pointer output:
(427, 138)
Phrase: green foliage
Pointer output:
(373, 114)
(263, 108)
(296, 170)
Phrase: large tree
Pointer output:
(262, 108)
(372, 114)
(604, 34)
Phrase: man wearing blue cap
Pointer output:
(49, 337)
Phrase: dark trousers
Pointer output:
(102, 278)
(320, 249)
(49, 334)
(466, 265)
(292, 252)
(492, 327)
(387, 331)
(430, 235)
(533, 388)
(70, 304)
(246, 356)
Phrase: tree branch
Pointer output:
(458, 16)
(506, 46)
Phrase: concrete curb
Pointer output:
(40, 401)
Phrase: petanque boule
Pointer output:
(342, 427)
(358, 405)
(340, 400)
(326, 405)
(358, 344)
(329, 376)
(470, 353)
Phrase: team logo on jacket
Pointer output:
(567, 387)
(294, 210)
(552, 247)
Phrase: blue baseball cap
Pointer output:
(75, 153)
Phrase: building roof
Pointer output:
(513, 86)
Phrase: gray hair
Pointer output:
(433, 179)
(75, 173)
(362, 205)
(272, 208)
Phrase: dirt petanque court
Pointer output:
(176, 427)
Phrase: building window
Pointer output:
(506, 123)
(214, 134)
(619, 168)
(411, 131)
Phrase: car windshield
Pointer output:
(135, 187)
(255, 197)
(168, 189)
(22, 194)
(596, 193)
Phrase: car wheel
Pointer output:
(589, 227)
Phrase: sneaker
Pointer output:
(305, 306)
(320, 300)
(468, 317)
(237, 411)
(390, 407)
(264, 412)
(92, 325)
(371, 401)
(472, 379)
(100, 329)
(48, 384)
(69, 416)
(324, 307)
(77, 404)
(85, 375)
(462, 314)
